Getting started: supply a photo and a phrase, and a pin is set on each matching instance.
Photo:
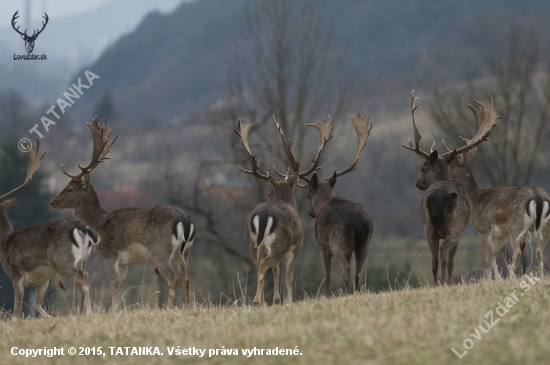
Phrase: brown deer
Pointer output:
(445, 207)
(274, 229)
(129, 235)
(501, 212)
(34, 255)
(342, 227)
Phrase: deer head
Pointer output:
(79, 186)
(437, 167)
(29, 40)
(320, 192)
(278, 190)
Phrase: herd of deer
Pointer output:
(34, 255)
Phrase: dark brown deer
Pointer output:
(34, 255)
(342, 227)
(274, 229)
(129, 235)
(501, 212)
(445, 207)
(29, 40)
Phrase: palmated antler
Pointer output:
(486, 120)
(34, 165)
(242, 132)
(325, 132)
(362, 129)
(101, 136)
(416, 149)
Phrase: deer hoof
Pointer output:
(276, 301)
(256, 303)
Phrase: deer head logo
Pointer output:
(29, 40)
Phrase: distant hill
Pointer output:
(175, 63)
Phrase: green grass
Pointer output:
(406, 326)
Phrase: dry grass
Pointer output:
(409, 326)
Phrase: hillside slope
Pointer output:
(410, 326)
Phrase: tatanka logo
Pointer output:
(29, 39)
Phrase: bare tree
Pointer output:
(522, 95)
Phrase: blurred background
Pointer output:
(174, 77)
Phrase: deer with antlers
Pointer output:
(34, 255)
(29, 39)
(274, 229)
(500, 212)
(445, 207)
(342, 227)
(129, 235)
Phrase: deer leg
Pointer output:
(343, 261)
(542, 239)
(443, 256)
(327, 258)
(171, 278)
(186, 282)
(290, 261)
(80, 277)
(264, 265)
(360, 258)
(122, 271)
(81, 298)
(114, 286)
(516, 246)
(276, 293)
(182, 267)
(19, 290)
(451, 262)
(39, 298)
(433, 241)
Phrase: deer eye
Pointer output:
(70, 190)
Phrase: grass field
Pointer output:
(406, 326)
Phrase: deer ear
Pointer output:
(451, 157)
(85, 179)
(433, 157)
(271, 182)
(314, 181)
(332, 179)
(8, 204)
(470, 154)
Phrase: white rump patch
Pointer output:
(268, 238)
(83, 248)
(189, 243)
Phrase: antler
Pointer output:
(486, 120)
(362, 129)
(34, 165)
(242, 132)
(325, 132)
(101, 136)
(13, 19)
(43, 26)
(416, 149)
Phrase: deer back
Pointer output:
(343, 223)
(53, 244)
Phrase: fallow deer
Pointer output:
(342, 227)
(445, 207)
(501, 212)
(274, 229)
(129, 235)
(34, 255)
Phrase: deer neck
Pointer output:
(322, 198)
(467, 179)
(5, 227)
(89, 211)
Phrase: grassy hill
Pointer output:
(407, 326)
